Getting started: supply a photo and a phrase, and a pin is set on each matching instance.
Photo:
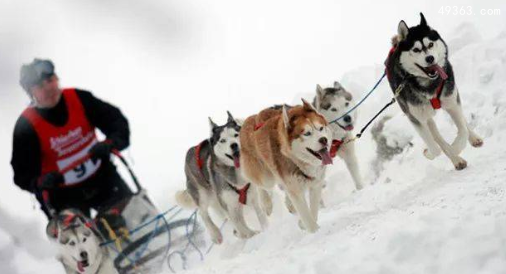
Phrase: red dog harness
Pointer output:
(436, 100)
(334, 148)
(243, 192)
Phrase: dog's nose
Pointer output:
(323, 141)
(347, 118)
(234, 147)
(84, 255)
(429, 59)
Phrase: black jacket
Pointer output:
(26, 158)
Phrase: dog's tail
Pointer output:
(183, 199)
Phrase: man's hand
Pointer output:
(51, 180)
(101, 150)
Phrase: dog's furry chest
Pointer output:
(309, 174)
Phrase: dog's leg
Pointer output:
(235, 211)
(213, 230)
(315, 196)
(462, 133)
(433, 150)
(265, 200)
(289, 205)
(259, 211)
(348, 154)
(457, 161)
(296, 195)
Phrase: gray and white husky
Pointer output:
(420, 62)
(333, 103)
(214, 180)
(78, 243)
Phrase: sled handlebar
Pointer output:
(78, 162)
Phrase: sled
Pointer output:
(141, 238)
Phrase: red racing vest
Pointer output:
(63, 145)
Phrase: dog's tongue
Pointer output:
(326, 159)
(348, 128)
(440, 71)
(237, 162)
(80, 267)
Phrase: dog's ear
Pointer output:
(240, 122)
(307, 106)
(212, 126)
(402, 30)
(348, 96)
(337, 85)
(286, 119)
(52, 229)
(319, 96)
(423, 22)
(230, 117)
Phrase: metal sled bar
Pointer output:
(139, 242)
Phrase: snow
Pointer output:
(416, 216)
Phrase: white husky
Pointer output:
(79, 244)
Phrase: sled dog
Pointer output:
(418, 65)
(78, 243)
(214, 180)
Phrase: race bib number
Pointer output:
(82, 171)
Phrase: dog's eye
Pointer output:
(321, 129)
(416, 50)
(236, 135)
(430, 45)
(333, 109)
(72, 243)
(347, 104)
(307, 133)
(223, 141)
(84, 240)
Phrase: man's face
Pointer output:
(47, 94)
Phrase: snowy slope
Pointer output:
(419, 216)
(416, 217)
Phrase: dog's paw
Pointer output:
(290, 206)
(477, 142)
(246, 235)
(461, 164)
(431, 155)
(312, 229)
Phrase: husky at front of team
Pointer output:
(418, 63)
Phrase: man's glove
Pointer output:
(51, 180)
(101, 150)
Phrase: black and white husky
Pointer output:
(333, 103)
(214, 180)
(419, 64)
(78, 243)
